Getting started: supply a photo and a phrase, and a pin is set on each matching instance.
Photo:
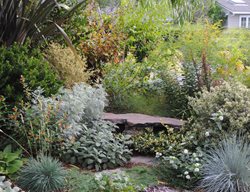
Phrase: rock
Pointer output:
(129, 121)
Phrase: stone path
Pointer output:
(142, 160)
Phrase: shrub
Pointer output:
(47, 121)
(150, 143)
(42, 174)
(38, 126)
(97, 147)
(226, 166)
(71, 68)
(100, 41)
(148, 87)
(70, 123)
(18, 61)
(224, 109)
(179, 156)
(216, 14)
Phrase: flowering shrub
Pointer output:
(178, 154)
(225, 109)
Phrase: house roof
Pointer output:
(235, 6)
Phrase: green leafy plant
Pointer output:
(98, 147)
(149, 142)
(226, 166)
(19, 62)
(37, 125)
(103, 41)
(216, 14)
(115, 182)
(225, 109)
(10, 162)
(179, 156)
(42, 174)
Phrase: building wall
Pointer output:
(233, 21)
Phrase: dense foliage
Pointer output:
(98, 148)
(21, 20)
(20, 63)
(70, 67)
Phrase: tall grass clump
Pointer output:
(226, 168)
(42, 174)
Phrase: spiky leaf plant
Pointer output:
(227, 167)
(43, 174)
(23, 19)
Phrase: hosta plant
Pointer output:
(10, 162)
(226, 167)
(42, 174)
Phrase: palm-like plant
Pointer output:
(22, 19)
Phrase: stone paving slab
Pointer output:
(141, 120)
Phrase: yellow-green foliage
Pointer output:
(71, 68)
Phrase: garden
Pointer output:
(65, 64)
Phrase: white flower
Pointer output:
(16, 189)
(171, 162)
(207, 134)
(7, 183)
(186, 173)
(185, 151)
(196, 170)
(194, 155)
(170, 148)
(221, 118)
(157, 155)
(188, 177)
(197, 164)
(197, 159)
